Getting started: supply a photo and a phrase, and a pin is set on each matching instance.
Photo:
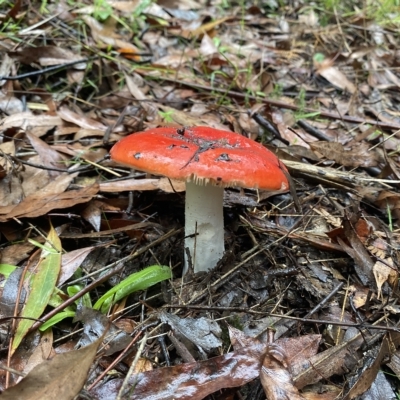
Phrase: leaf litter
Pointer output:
(316, 84)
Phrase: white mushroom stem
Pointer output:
(204, 216)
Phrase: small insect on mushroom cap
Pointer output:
(203, 155)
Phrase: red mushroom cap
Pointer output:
(203, 155)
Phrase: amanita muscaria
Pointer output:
(208, 160)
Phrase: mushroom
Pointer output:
(208, 160)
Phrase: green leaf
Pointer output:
(319, 57)
(6, 269)
(42, 283)
(85, 299)
(137, 281)
(57, 318)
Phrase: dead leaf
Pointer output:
(334, 76)
(355, 155)
(84, 122)
(101, 33)
(50, 158)
(95, 325)
(385, 272)
(275, 376)
(42, 352)
(150, 107)
(208, 28)
(92, 213)
(196, 380)
(143, 184)
(53, 196)
(62, 377)
(38, 125)
(202, 331)
(369, 372)
(47, 55)
(357, 250)
(71, 261)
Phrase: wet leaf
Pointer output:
(196, 380)
(275, 376)
(42, 283)
(193, 381)
(95, 325)
(201, 331)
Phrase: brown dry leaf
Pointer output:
(50, 158)
(388, 200)
(19, 184)
(249, 126)
(42, 352)
(16, 253)
(368, 374)
(92, 152)
(92, 214)
(84, 122)
(103, 34)
(326, 364)
(359, 295)
(5, 162)
(128, 185)
(294, 136)
(52, 196)
(363, 262)
(92, 134)
(125, 6)
(47, 56)
(334, 76)
(71, 261)
(299, 349)
(180, 117)
(354, 155)
(62, 377)
(207, 46)
(10, 105)
(5, 67)
(275, 376)
(394, 363)
(150, 107)
(332, 220)
(322, 392)
(208, 28)
(38, 125)
(385, 272)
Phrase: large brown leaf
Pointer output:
(60, 378)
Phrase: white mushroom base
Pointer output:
(204, 216)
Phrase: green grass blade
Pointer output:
(57, 318)
(138, 281)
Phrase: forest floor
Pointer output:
(93, 301)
